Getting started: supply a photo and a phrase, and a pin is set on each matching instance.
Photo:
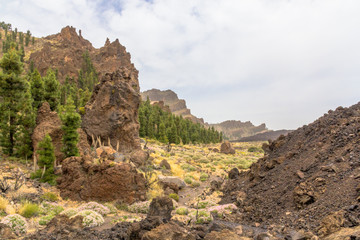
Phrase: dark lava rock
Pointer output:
(234, 173)
(277, 194)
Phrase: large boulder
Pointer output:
(48, 122)
(112, 112)
(168, 180)
(161, 207)
(227, 148)
(83, 179)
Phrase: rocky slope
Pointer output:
(264, 136)
(309, 179)
(235, 130)
(177, 106)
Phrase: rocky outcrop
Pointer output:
(264, 136)
(64, 52)
(169, 98)
(227, 148)
(308, 179)
(48, 122)
(235, 130)
(112, 112)
(85, 180)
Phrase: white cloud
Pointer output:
(280, 62)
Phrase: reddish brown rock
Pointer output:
(64, 52)
(227, 148)
(48, 122)
(83, 179)
(112, 112)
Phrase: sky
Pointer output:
(280, 62)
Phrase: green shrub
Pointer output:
(16, 222)
(91, 218)
(195, 184)
(44, 220)
(255, 149)
(29, 210)
(47, 208)
(69, 212)
(182, 211)
(188, 167)
(49, 196)
(201, 216)
(187, 180)
(139, 207)
(204, 177)
(97, 207)
(174, 196)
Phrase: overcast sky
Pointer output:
(280, 62)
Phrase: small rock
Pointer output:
(227, 148)
(234, 173)
(300, 174)
(172, 179)
(165, 164)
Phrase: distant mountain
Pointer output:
(270, 135)
(177, 106)
(234, 130)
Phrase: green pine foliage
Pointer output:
(71, 121)
(46, 161)
(15, 103)
(37, 88)
(52, 89)
(88, 76)
(168, 128)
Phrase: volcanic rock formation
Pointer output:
(177, 106)
(48, 122)
(64, 52)
(112, 112)
(235, 130)
(308, 179)
(83, 179)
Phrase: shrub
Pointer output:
(97, 207)
(69, 212)
(195, 184)
(174, 196)
(182, 211)
(187, 180)
(47, 208)
(29, 210)
(3, 203)
(16, 222)
(140, 207)
(201, 216)
(44, 220)
(254, 149)
(220, 210)
(188, 167)
(91, 218)
(49, 196)
(204, 177)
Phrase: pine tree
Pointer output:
(52, 89)
(162, 133)
(27, 124)
(27, 38)
(70, 123)
(12, 91)
(46, 161)
(37, 88)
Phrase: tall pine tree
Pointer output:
(52, 89)
(37, 88)
(71, 121)
(13, 90)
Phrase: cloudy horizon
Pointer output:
(283, 62)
